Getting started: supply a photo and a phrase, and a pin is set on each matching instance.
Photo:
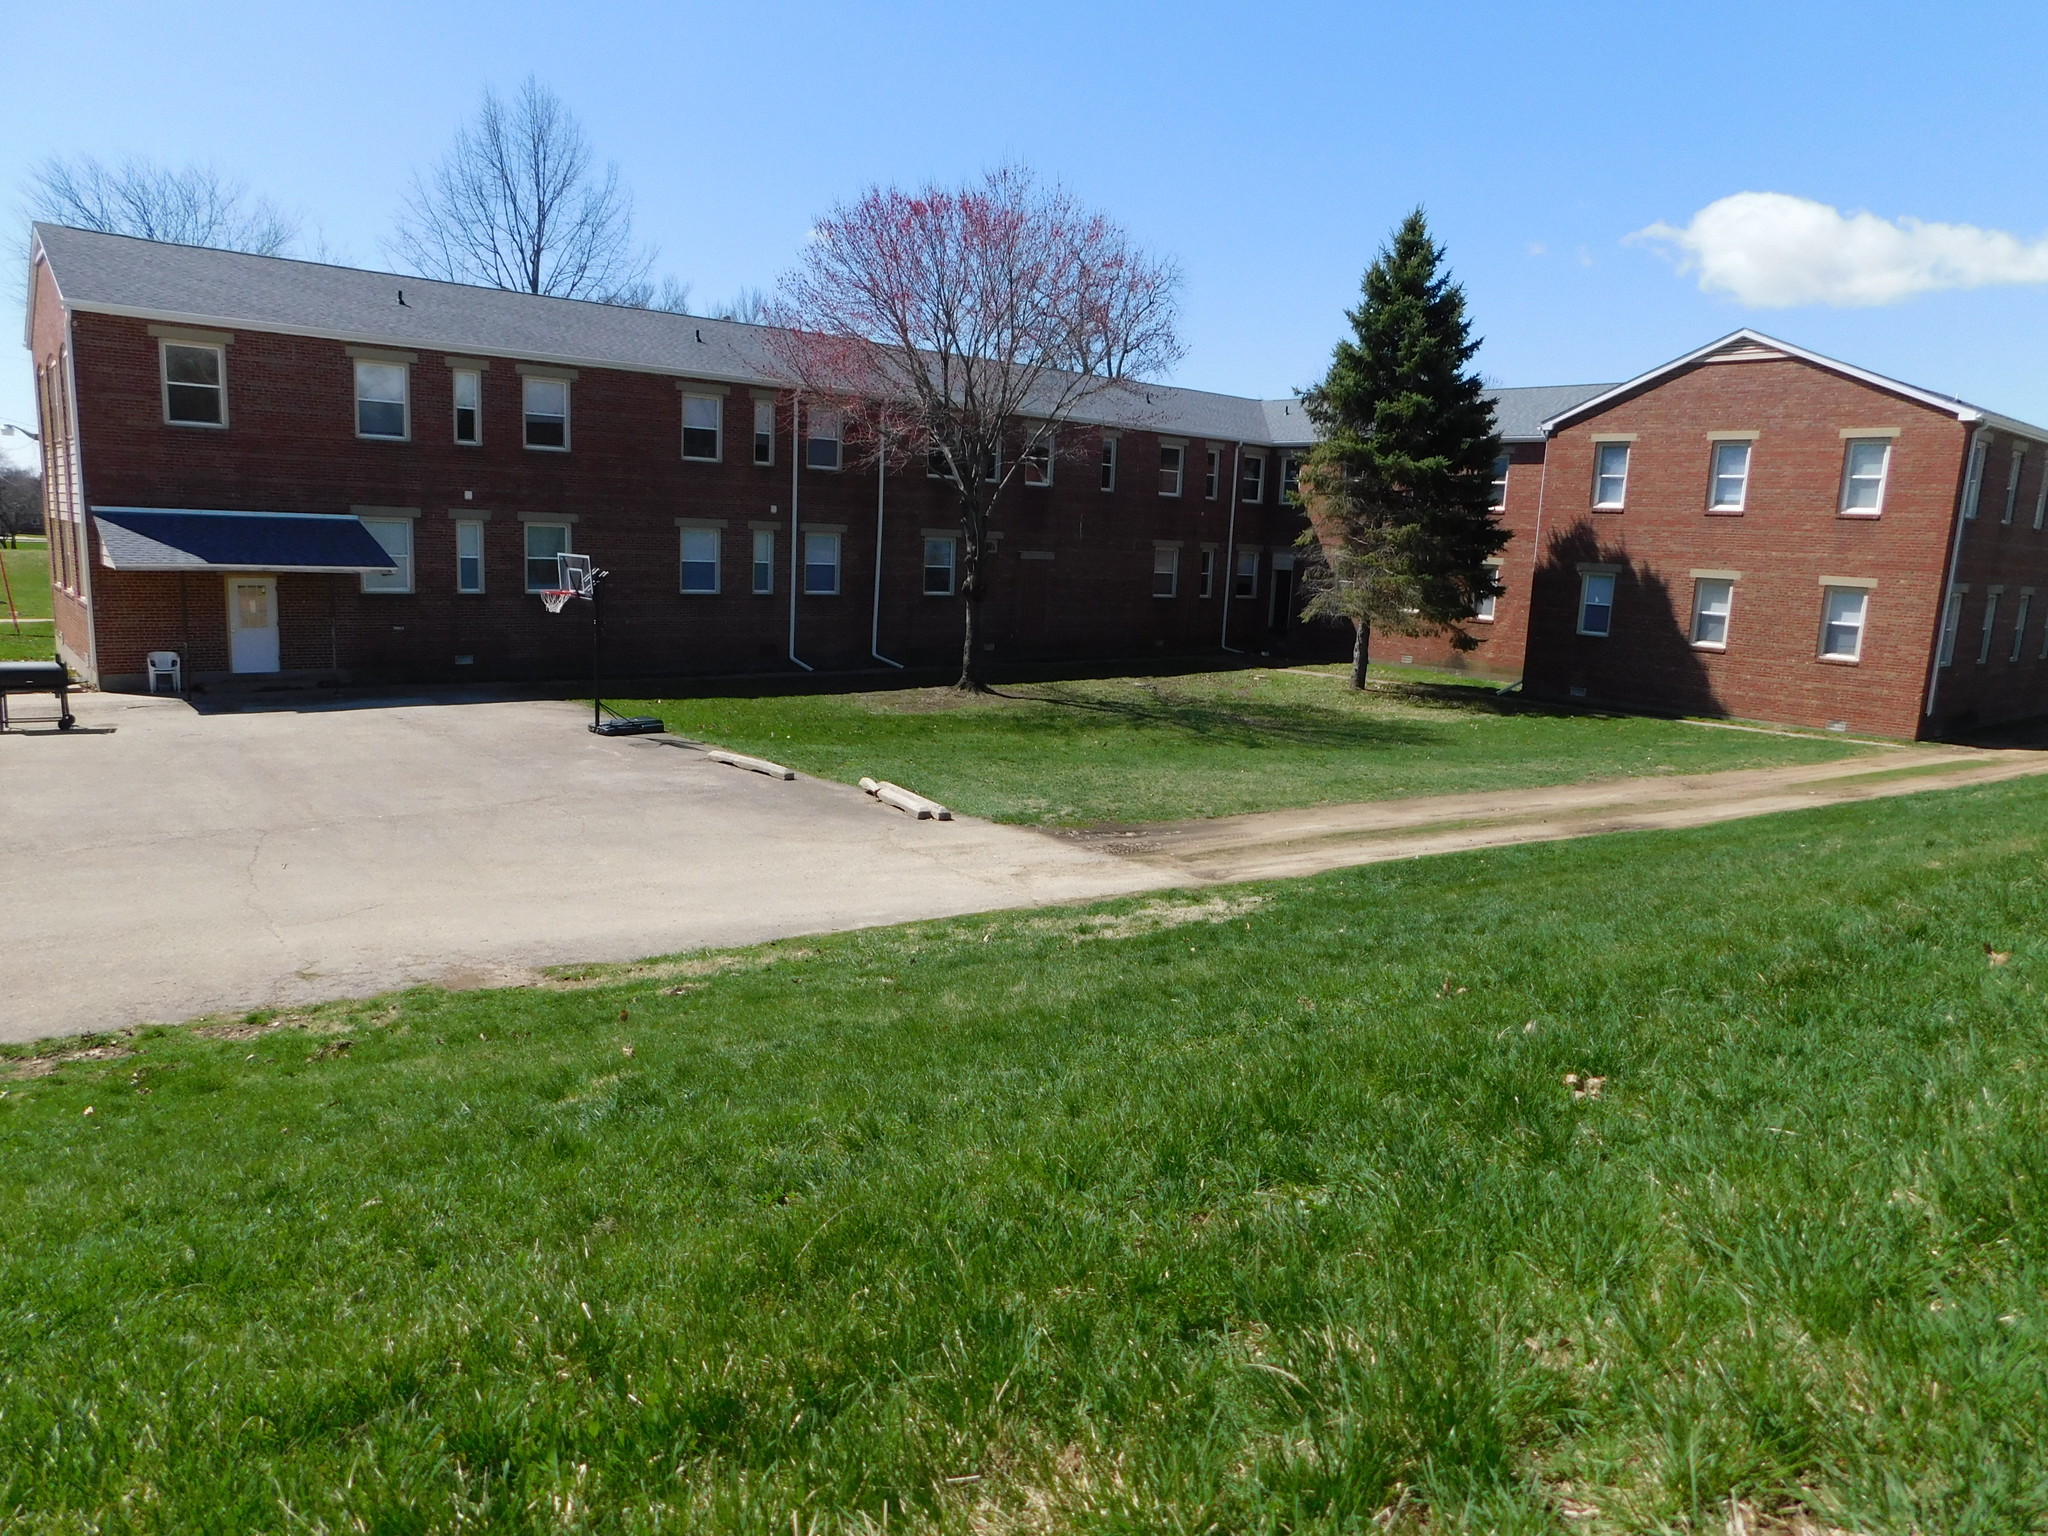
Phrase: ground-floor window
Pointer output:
(939, 557)
(1208, 573)
(1247, 584)
(700, 561)
(1596, 603)
(764, 561)
(821, 564)
(2019, 625)
(469, 556)
(1990, 621)
(1165, 572)
(1845, 612)
(545, 543)
(395, 534)
(1951, 622)
(1712, 600)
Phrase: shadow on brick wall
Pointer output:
(1646, 661)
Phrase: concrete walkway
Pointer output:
(160, 863)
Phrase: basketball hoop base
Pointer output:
(628, 725)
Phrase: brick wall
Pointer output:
(1789, 534)
(2002, 575)
(291, 446)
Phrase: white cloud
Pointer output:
(1774, 251)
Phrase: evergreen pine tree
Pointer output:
(1399, 490)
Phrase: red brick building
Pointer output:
(475, 434)
(292, 470)
(1756, 530)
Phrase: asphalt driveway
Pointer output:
(161, 863)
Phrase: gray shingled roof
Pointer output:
(118, 274)
(1522, 412)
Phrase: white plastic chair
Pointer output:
(166, 665)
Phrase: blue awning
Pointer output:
(171, 539)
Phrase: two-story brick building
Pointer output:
(283, 468)
(276, 469)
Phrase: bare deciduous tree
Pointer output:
(519, 203)
(190, 206)
(956, 323)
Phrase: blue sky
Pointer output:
(1269, 148)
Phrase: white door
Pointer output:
(252, 623)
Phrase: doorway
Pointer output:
(252, 624)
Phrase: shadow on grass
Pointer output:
(1215, 720)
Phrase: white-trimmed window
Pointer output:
(1487, 608)
(381, 390)
(822, 428)
(1038, 460)
(935, 465)
(1973, 481)
(703, 428)
(1713, 597)
(1951, 625)
(2012, 482)
(764, 561)
(1172, 465)
(2019, 625)
(469, 556)
(1596, 603)
(1208, 573)
(545, 541)
(1246, 582)
(1212, 478)
(395, 534)
(1845, 611)
(992, 466)
(1251, 479)
(1730, 481)
(195, 384)
(546, 405)
(469, 405)
(1866, 465)
(940, 557)
(1290, 476)
(2041, 502)
(821, 564)
(1610, 474)
(764, 431)
(1165, 571)
(1500, 483)
(700, 562)
(1109, 463)
(1990, 622)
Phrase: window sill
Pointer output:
(544, 448)
(1710, 647)
(1724, 511)
(203, 426)
(1839, 661)
(713, 593)
(379, 437)
(691, 458)
(1610, 509)
(1859, 517)
(1592, 634)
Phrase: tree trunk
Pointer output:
(1361, 646)
(969, 681)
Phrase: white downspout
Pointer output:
(881, 484)
(1955, 558)
(1230, 551)
(796, 448)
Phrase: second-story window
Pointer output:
(1038, 461)
(1500, 483)
(195, 385)
(547, 412)
(1251, 483)
(764, 431)
(1213, 479)
(1730, 487)
(1610, 474)
(1865, 461)
(1109, 463)
(469, 405)
(703, 418)
(1290, 476)
(380, 400)
(821, 442)
(1172, 464)
(2012, 482)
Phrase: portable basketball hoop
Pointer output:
(575, 576)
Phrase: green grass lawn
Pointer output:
(28, 575)
(1210, 744)
(1268, 1209)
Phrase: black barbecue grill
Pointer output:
(37, 677)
